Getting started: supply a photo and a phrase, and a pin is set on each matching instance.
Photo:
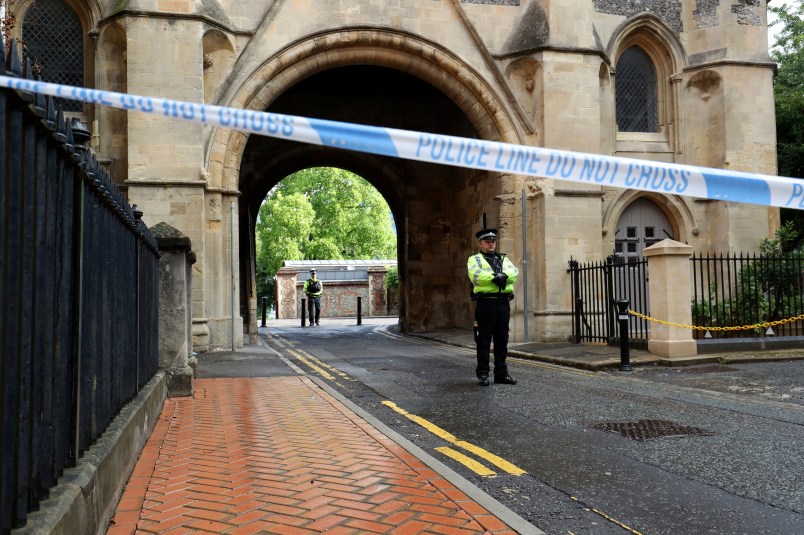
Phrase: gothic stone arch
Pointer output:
(434, 238)
(555, 90)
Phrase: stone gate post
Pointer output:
(286, 295)
(377, 305)
(670, 291)
(175, 315)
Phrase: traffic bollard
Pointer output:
(622, 317)
(264, 310)
(304, 312)
(359, 310)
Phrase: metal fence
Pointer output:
(78, 299)
(596, 288)
(734, 291)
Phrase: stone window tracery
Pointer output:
(53, 37)
(636, 92)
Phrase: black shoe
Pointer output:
(507, 380)
(317, 324)
(483, 380)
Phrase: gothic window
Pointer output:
(636, 92)
(53, 38)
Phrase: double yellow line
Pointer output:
(475, 466)
(331, 373)
(320, 367)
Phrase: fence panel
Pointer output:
(596, 288)
(78, 287)
(631, 283)
(735, 291)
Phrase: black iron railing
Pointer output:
(78, 299)
(737, 290)
(596, 288)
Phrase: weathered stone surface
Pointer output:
(540, 73)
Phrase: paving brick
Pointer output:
(370, 527)
(410, 528)
(279, 455)
(250, 529)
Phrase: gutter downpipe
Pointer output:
(525, 265)
(232, 243)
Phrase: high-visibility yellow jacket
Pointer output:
(481, 274)
(320, 287)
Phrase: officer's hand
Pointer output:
(500, 279)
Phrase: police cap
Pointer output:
(487, 234)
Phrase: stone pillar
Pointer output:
(286, 303)
(377, 305)
(175, 315)
(670, 291)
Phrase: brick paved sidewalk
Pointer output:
(281, 455)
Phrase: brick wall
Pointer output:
(339, 299)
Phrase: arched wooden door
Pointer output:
(641, 225)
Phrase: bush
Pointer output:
(392, 280)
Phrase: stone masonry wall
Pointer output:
(339, 299)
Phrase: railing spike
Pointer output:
(68, 132)
(14, 65)
(51, 112)
(40, 104)
(61, 126)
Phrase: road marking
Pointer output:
(607, 517)
(471, 464)
(452, 439)
(321, 371)
(323, 364)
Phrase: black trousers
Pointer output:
(313, 303)
(492, 317)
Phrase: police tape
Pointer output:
(627, 173)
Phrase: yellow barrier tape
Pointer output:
(702, 328)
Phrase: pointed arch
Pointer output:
(662, 48)
(330, 49)
(637, 93)
(674, 207)
(219, 56)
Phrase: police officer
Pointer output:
(313, 288)
(493, 276)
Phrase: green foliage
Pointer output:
(767, 289)
(392, 280)
(321, 213)
(788, 52)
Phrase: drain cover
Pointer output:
(647, 429)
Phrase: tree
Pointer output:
(321, 213)
(788, 52)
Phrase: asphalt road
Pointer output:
(704, 450)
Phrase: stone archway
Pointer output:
(394, 49)
(434, 235)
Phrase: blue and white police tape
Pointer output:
(660, 177)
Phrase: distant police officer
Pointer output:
(493, 277)
(313, 288)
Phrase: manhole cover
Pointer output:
(708, 369)
(647, 429)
